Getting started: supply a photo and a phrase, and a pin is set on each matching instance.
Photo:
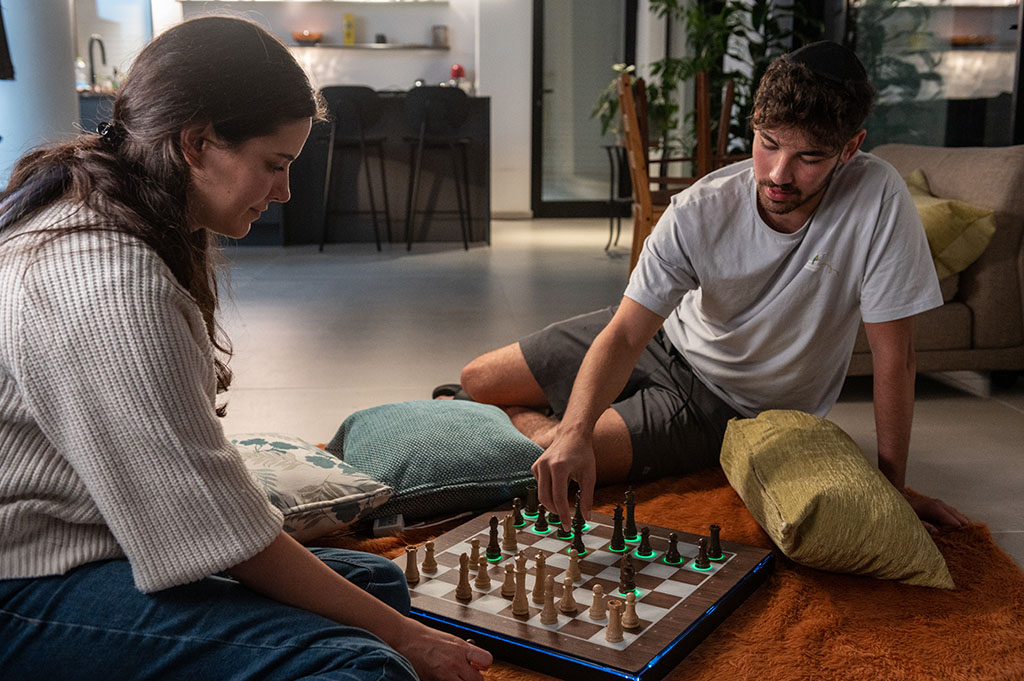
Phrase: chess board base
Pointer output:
(679, 605)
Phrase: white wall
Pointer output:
(504, 74)
(40, 105)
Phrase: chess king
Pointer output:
(731, 310)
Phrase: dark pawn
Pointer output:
(553, 519)
(561, 531)
(618, 539)
(578, 513)
(627, 575)
(630, 528)
(517, 512)
(493, 551)
(715, 547)
(702, 562)
(531, 500)
(672, 556)
(577, 536)
(645, 542)
(542, 519)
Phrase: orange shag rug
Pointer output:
(811, 625)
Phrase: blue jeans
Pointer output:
(92, 623)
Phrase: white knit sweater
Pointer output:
(109, 444)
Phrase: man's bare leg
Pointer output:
(502, 378)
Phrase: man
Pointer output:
(747, 296)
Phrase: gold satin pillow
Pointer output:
(809, 486)
(957, 232)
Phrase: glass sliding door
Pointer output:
(576, 43)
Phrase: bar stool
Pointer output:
(438, 114)
(355, 109)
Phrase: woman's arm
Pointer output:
(313, 586)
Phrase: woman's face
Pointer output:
(232, 186)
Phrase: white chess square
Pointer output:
(603, 558)
(434, 587)
(651, 613)
(593, 542)
(657, 569)
(677, 588)
(610, 573)
(491, 604)
(551, 545)
(627, 639)
(558, 560)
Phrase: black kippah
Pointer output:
(831, 61)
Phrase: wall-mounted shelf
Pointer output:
(373, 46)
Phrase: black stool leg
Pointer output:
(327, 188)
(369, 190)
(458, 193)
(469, 210)
(414, 182)
(384, 189)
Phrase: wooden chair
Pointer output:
(648, 203)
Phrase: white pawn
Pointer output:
(483, 580)
(568, 603)
(574, 565)
(474, 552)
(629, 617)
(429, 562)
(412, 572)
(549, 615)
(614, 631)
(508, 587)
(597, 606)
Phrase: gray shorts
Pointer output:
(676, 424)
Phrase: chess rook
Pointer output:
(412, 573)
(715, 545)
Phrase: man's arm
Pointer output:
(892, 356)
(602, 375)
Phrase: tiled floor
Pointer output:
(320, 335)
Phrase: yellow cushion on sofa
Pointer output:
(957, 232)
(824, 505)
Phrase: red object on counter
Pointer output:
(458, 71)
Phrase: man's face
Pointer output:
(792, 172)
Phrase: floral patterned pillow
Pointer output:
(317, 492)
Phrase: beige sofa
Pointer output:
(981, 326)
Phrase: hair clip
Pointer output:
(111, 133)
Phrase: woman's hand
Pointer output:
(438, 656)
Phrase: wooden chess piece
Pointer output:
(412, 572)
(568, 602)
(517, 512)
(474, 553)
(508, 587)
(541, 571)
(701, 562)
(429, 565)
(549, 615)
(508, 542)
(618, 542)
(493, 551)
(613, 633)
(629, 616)
(598, 605)
(483, 580)
(715, 545)
(645, 543)
(542, 520)
(463, 591)
(574, 566)
(627, 575)
(630, 528)
(672, 555)
(531, 501)
(521, 561)
(520, 604)
(577, 535)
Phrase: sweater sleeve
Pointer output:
(116, 367)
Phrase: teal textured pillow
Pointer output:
(316, 492)
(439, 456)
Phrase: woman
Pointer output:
(133, 544)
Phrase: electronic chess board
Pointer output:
(675, 607)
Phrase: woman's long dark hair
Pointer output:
(216, 70)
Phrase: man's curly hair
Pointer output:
(830, 111)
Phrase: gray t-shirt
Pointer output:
(766, 319)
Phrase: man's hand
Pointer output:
(568, 458)
(438, 656)
(936, 515)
